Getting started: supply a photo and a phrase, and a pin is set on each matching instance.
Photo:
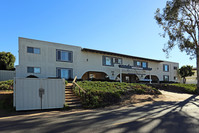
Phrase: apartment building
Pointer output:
(47, 59)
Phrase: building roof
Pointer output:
(118, 54)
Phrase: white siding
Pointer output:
(6, 75)
(82, 62)
(26, 93)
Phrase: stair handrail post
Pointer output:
(74, 82)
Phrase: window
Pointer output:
(175, 78)
(34, 70)
(33, 50)
(166, 78)
(110, 61)
(175, 68)
(138, 64)
(64, 73)
(165, 68)
(107, 61)
(117, 60)
(63, 55)
(91, 76)
(144, 64)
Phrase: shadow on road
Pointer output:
(163, 117)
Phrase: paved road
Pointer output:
(158, 117)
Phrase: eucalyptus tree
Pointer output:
(179, 20)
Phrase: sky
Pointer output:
(122, 26)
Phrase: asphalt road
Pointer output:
(157, 117)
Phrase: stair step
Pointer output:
(68, 92)
(72, 97)
(73, 101)
(75, 105)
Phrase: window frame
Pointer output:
(104, 61)
(34, 69)
(175, 68)
(117, 62)
(69, 52)
(146, 64)
(165, 78)
(135, 62)
(139, 65)
(164, 67)
(59, 68)
(33, 50)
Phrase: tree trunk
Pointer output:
(184, 80)
(197, 67)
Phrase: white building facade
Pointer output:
(46, 59)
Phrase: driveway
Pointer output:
(177, 115)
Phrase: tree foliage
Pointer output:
(7, 61)
(180, 21)
(186, 71)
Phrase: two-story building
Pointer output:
(47, 59)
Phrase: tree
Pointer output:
(7, 61)
(185, 71)
(180, 21)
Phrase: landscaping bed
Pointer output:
(6, 85)
(177, 87)
(100, 94)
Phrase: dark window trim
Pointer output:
(33, 50)
(65, 51)
(164, 77)
(175, 68)
(104, 58)
(146, 64)
(57, 68)
(164, 67)
(33, 69)
(141, 63)
(118, 59)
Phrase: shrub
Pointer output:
(6, 85)
(100, 94)
(66, 82)
(177, 87)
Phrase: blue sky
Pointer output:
(123, 26)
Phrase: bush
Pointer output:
(100, 94)
(66, 82)
(6, 85)
(186, 88)
(177, 87)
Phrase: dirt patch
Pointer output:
(148, 99)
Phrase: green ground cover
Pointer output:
(186, 88)
(100, 94)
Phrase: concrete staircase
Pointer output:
(70, 98)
